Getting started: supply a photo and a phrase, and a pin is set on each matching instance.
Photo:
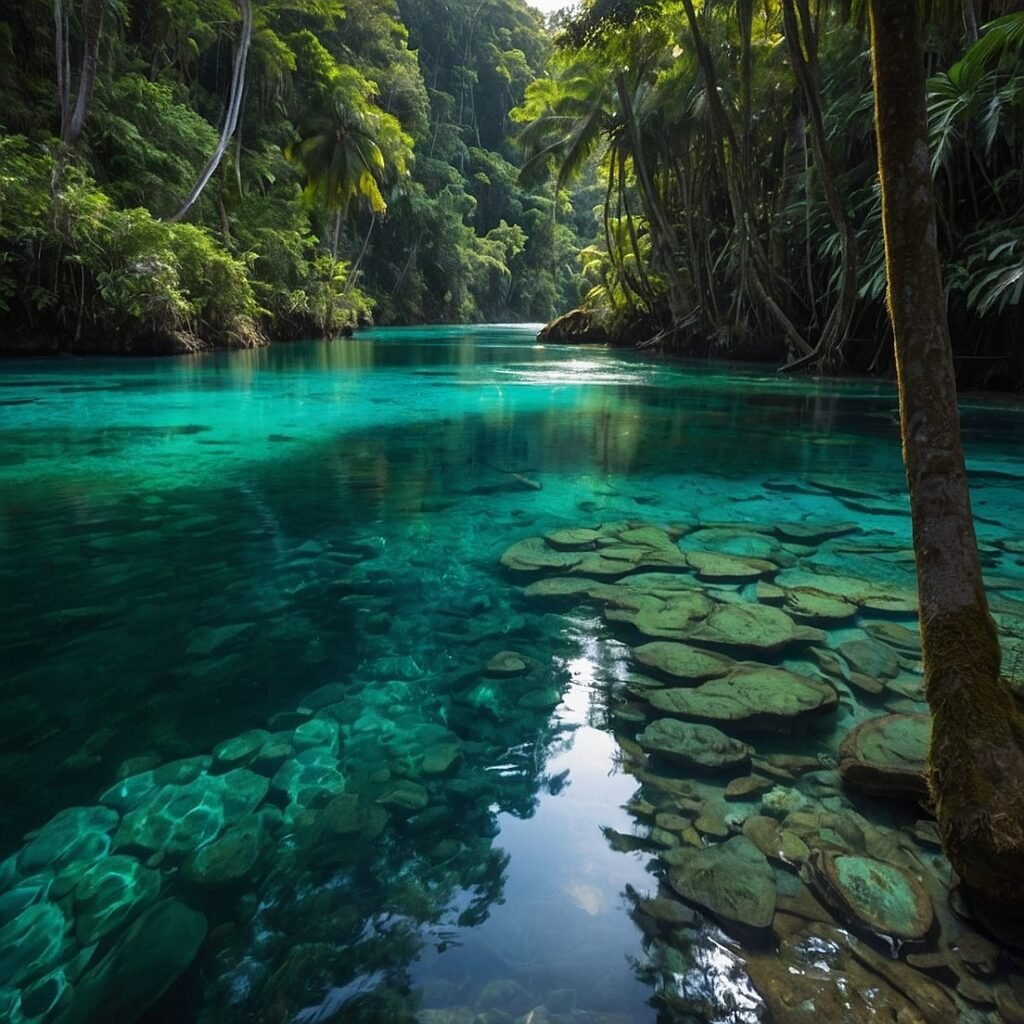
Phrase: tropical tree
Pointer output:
(976, 759)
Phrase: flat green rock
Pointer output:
(579, 539)
(713, 565)
(694, 746)
(533, 555)
(143, 964)
(733, 880)
(32, 942)
(671, 618)
(871, 894)
(886, 756)
(870, 657)
(807, 604)
(753, 627)
(754, 697)
(681, 661)
(111, 894)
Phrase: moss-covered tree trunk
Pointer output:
(976, 761)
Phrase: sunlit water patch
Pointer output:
(333, 763)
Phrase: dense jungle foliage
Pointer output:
(742, 210)
(700, 175)
(345, 159)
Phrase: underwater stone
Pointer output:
(757, 627)
(230, 858)
(130, 792)
(540, 700)
(871, 894)
(24, 893)
(179, 819)
(110, 894)
(670, 617)
(905, 640)
(506, 664)
(561, 589)
(680, 661)
(441, 759)
(44, 995)
(695, 746)
(809, 605)
(876, 596)
(814, 979)
(322, 697)
(75, 833)
(534, 555)
(713, 565)
(732, 879)
(273, 754)
(870, 657)
(317, 732)
(813, 533)
(886, 756)
(755, 697)
(240, 750)
(775, 842)
(405, 796)
(143, 964)
(579, 539)
(31, 943)
(311, 778)
(747, 786)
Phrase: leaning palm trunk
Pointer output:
(976, 760)
(232, 114)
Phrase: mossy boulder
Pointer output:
(886, 756)
(871, 895)
(694, 746)
(733, 880)
(750, 697)
(750, 627)
(681, 661)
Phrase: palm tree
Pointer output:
(346, 148)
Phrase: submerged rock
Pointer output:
(870, 657)
(142, 965)
(886, 756)
(680, 661)
(871, 894)
(507, 664)
(110, 894)
(754, 627)
(72, 835)
(32, 942)
(732, 879)
(750, 697)
(578, 539)
(230, 858)
(669, 616)
(695, 746)
(714, 565)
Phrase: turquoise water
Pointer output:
(193, 549)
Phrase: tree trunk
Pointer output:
(92, 25)
(232, 114)
(976, 760)
(663, 233)
(60, 22)
(808, 76)
(743, 216)
(970, 23)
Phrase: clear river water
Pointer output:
(282, 739)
